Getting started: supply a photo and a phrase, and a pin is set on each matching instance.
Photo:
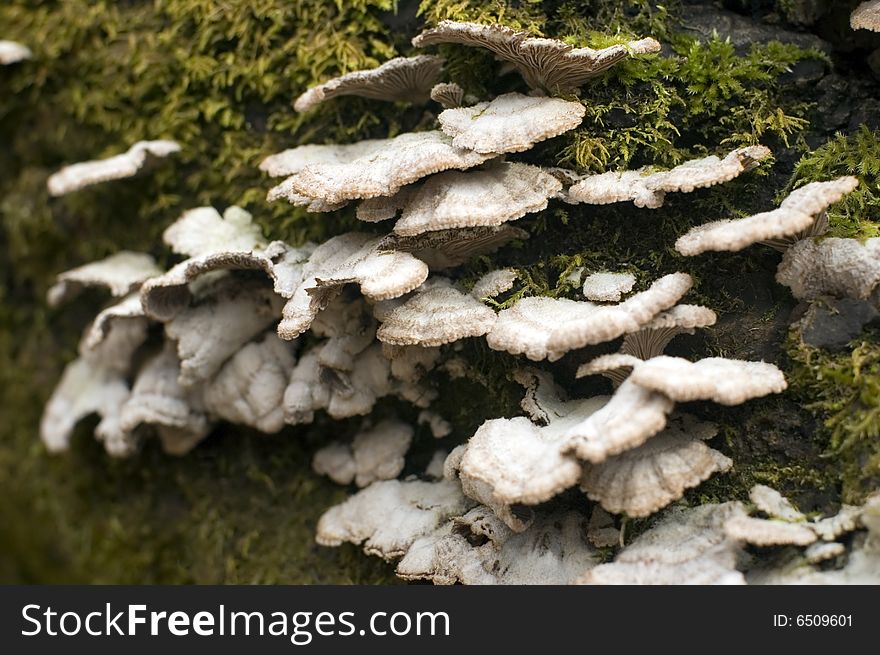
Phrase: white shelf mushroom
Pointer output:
(408, 79)
(388, 516)
(374, 454)
(608, 287)
(500, 193)
(796, 214)
(159, 401)
(643, 480)
(350, 258)
(478, 549)
(77, 176)
(646, 188)
(866, 16)
(249, 389)
(221, 321)
(12, 52)
(438, 315)
(845, 268)
(687, 546)
(382, 171)
(510, 123)
(546, 64)
(120, 273)
(494, 283)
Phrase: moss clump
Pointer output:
(843, 390)
(665, 110)
(857, 215)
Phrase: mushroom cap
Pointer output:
(402, 78)
(500, 193)
(646, 188)
(545, 64)
(643, 480)
(293, 160)
(774, 504)
(866, 16)
(477, 549)
(608, 287)
(203, 231)
(526, 327)
(510, 123)
(120, 273)
(687, 546)
(164, 296)
(219, 325)
(249, 389)
(846, 268)
(632, 416)
(763, 532)
(724, 381)
(608, 322)
(12, 52)
(77, 176)
(86, 388)
(128, 309)
(375, 454)
(494, 283)
(388, 516)
(796, 213)
(439, 315)
(520, 462)
(353, 257)
(158, 400)
(402, 160)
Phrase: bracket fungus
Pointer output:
(510, 123)
(477, 549)
(866, 16)
(293, 160)
(409, 79)
(648, 189)
(159, 401)
(389, 515)
(382, 171)
(12, 52)
(374, 454)
(120, 273)
(354, 257)
(500, 193)
(438, 315)
(688, 546)
(608, 287)
(221, 321)
(249, 389)
(643, 480)
(547, 65)
(724, 381)
(77, 176)
(494, 283)
(844, 268)
(796, 214)
(261, 333)
(449, 248)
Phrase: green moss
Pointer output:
(857, 215)
(843, 390)
(639, 112)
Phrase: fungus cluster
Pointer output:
(267, 334)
